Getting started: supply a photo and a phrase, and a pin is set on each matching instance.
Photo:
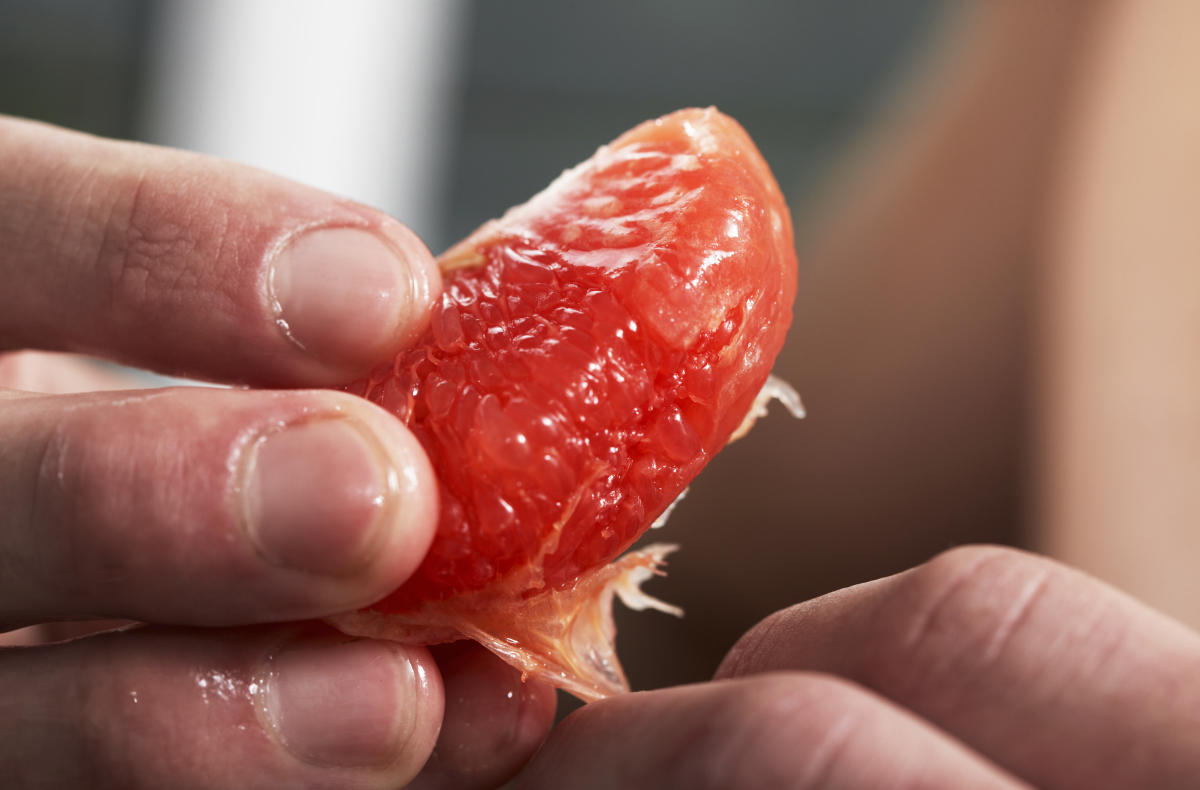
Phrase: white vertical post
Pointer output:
(353, 96)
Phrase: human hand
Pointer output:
(214, 512)
(983, 668)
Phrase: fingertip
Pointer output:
(346, 492)
(423, 281)
(494, 720)
(410, 519)
(350, 296)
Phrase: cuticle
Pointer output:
(277, 247)
(391, 489)
(418, 289)
(288, 238)
(408, 282)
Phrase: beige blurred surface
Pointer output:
(1120, 377)
(995, 336)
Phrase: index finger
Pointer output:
(1055, 676)
(194, 266)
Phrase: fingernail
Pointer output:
(350, 704)
(317, 496)
(347, 295)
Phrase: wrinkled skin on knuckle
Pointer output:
(158, 247)
(169, 238)
(743, 657)
(767, 732)
(949, 620)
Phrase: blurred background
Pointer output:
(918, 143)
(444, 113)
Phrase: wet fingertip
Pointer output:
(494, 721)
(413, 485)
(336, 702)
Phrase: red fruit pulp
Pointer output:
(592, 350)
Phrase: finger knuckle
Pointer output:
(157, 244)
(772, 731)
(955, 615)
(743, 657)
(139, 235)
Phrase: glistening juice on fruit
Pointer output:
(591, 351)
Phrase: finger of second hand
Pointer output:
(787, 730)
(290, 706)
(1055, 676)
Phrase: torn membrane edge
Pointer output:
(774, 388)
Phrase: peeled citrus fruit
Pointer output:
(592, 350)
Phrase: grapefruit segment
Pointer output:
(592, 350)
